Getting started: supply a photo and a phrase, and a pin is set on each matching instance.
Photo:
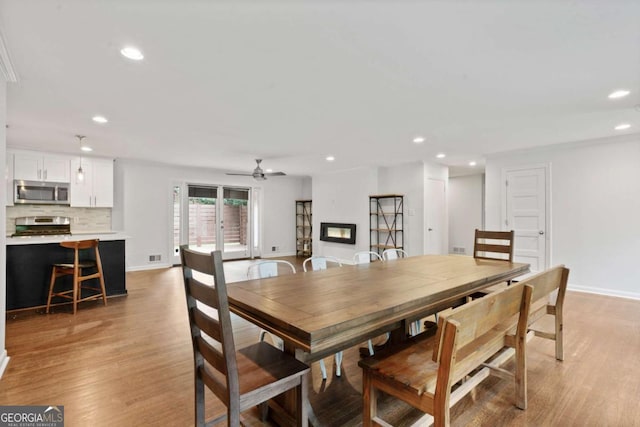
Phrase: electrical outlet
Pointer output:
(458, 250)
(154, 258)
(274, 249)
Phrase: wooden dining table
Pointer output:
(318, 313)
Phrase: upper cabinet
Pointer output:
(95, 190)
(33, 166)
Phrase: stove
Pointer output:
(42, 226)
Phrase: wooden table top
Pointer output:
(320, 312)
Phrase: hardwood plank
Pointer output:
(130, 363)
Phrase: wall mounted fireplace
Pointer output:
(338, 232)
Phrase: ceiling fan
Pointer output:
(258, 174)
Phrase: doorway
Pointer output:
(525, 207)
(213, 217)
(436, 217)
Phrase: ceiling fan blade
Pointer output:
(240, 174)
(276, 174)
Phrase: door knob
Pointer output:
(430, 229)
(541, 232)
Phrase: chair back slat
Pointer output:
(207, 324)
(202, 293)
(212, 355)
(493, 245)
(198, 261)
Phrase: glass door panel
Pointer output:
(235, 221)
(203, 221)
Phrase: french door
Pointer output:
(213, 217)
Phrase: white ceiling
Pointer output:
(224, 82)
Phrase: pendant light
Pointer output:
(80, 172)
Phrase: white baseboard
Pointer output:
(149, 267)
(604, 291)
(4, 361)
(277, 254)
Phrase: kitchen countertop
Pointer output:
(39, 240)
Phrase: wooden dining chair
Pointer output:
(76, 270)
(262, 270)
(493, 245)
(364, 257)
(391, 254)
(320, 263)
(268, 268)
(242, 378)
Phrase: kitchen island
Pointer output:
(29, 261)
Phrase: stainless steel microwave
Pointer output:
(44, 193)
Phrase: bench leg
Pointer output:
(559, 345)
(369, 400)
(520, 374)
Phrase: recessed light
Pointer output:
(620, 93)
(418, 139)
(622, 126)
(269, 170)
(85, 148)
(441, 155)
(330, 158)
(132, 53)
(472, 163)
(99, 119)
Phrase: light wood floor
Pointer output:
(130, 364)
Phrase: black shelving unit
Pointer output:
(303, 228)
(386, 222)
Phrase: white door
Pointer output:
(436, 221)
(525, 207)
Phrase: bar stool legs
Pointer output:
(75, 270)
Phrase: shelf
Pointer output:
(386, 247)
(386, 222)
(303, 228)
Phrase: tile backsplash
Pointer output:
(82, 219)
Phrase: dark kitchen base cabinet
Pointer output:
(29, 271)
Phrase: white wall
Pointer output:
(408, 180)
(595, 205)
(465, 205)
(343, 197)
(143, 207)
(4, 359)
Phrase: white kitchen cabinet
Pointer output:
(96, 189)
(33, 166)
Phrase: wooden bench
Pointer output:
(423, 371)
(544, 285)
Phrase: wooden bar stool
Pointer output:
(75, 270)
